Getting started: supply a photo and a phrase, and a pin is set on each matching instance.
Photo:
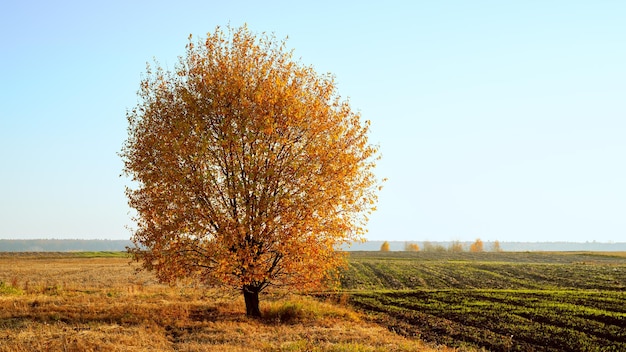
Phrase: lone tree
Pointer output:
(411, 247)
(249, 168)
(455, 247)
(495, 246)
(477, 246)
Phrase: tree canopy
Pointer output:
(250, 169)
(477, 246)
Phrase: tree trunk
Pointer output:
(251, 296)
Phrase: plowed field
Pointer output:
(496, 301)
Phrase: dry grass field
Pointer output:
(74, 302)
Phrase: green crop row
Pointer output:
(496, 270)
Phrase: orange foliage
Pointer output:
(250, 169)
(411, 247)
(477, 246)
(384, 247)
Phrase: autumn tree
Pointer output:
(250, 170)
(495, 246)
(431, 247)
(455, 247)
(384, 247)
(477, 246)
(411, 247)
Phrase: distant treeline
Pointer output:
(51, 245)
(48, 245)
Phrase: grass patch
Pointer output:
(100, 254)
(304, 309)
(8, 289)
(286, 312)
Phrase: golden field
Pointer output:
(79, 302)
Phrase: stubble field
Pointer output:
(98, 302)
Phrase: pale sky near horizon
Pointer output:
(499, 120)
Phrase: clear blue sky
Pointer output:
(496, 119)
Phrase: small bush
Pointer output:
(285, 312)
(308, 309)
